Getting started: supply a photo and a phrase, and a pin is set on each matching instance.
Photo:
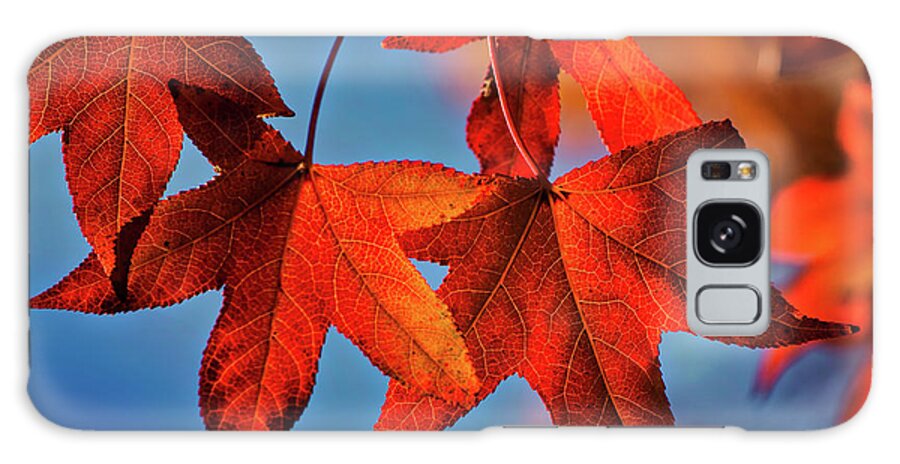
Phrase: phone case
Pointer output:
(330, 234)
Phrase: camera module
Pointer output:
(728, 233)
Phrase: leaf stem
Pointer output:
(317, 100)
(507, 115)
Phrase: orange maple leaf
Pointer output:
(298, 248)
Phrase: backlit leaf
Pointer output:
(298, 248)
(120, 130)
(571, 286)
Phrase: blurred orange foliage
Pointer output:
(806, 103)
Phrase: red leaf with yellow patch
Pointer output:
(571, 285)
(297, 248)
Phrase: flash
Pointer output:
(746, 170)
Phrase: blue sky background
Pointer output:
(139, 370)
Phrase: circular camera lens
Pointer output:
(726, 235)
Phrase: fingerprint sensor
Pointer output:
(724, 304)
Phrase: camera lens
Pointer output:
(728, 233)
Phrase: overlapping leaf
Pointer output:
(121, 136)
(571, 287)
(530, 78)
(298, 248)
(629, 98)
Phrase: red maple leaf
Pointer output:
(298, 247)
(121, 136)
(571, 284)
(835, 250)
(629, 98)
